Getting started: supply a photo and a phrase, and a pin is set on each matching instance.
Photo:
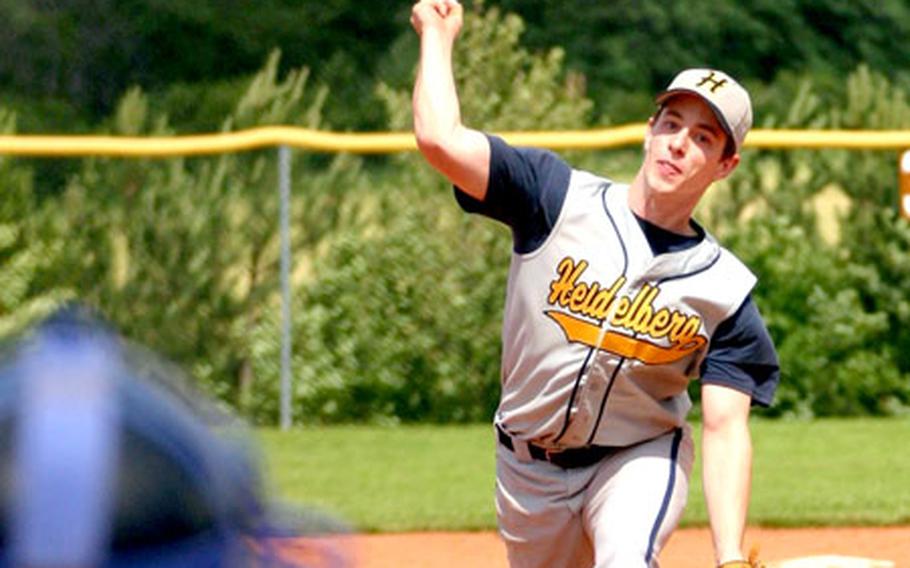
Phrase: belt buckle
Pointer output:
(550, 453)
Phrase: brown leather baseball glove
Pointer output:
(752, 562)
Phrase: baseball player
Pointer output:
(616, 298)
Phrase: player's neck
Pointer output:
(667, 211)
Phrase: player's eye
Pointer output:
(703, 138)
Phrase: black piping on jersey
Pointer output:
(668, 494)
(584, 365)
(603, 402)
(622, 360)
(693, 273)
(581, 372)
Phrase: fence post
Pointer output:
(284, 185)
(905, 184)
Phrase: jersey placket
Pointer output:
(597, 381)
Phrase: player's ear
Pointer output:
(726, 166)
(647, 140)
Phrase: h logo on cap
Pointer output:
(715, 83)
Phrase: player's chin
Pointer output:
(664, 184)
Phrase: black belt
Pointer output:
(568, 458)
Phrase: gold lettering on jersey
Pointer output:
(636, 314)
(592, 300)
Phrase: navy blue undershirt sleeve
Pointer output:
(742, 356)
(526, 191)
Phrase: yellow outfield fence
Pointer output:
(285, 138)
(392, 142)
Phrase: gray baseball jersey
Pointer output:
(601, 336)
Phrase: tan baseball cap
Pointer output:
(727, 98)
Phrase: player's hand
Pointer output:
(445, 16)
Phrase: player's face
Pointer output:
(684, 149)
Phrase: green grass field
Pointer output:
(824, 472)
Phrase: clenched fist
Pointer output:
(445, 16)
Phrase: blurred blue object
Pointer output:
(109, 458)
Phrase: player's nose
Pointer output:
(679, 140)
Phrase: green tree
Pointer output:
(29, 253)
(182, 253)
(638, 45)
(91, 51)
(837, 309)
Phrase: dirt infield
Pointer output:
(688, 548)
